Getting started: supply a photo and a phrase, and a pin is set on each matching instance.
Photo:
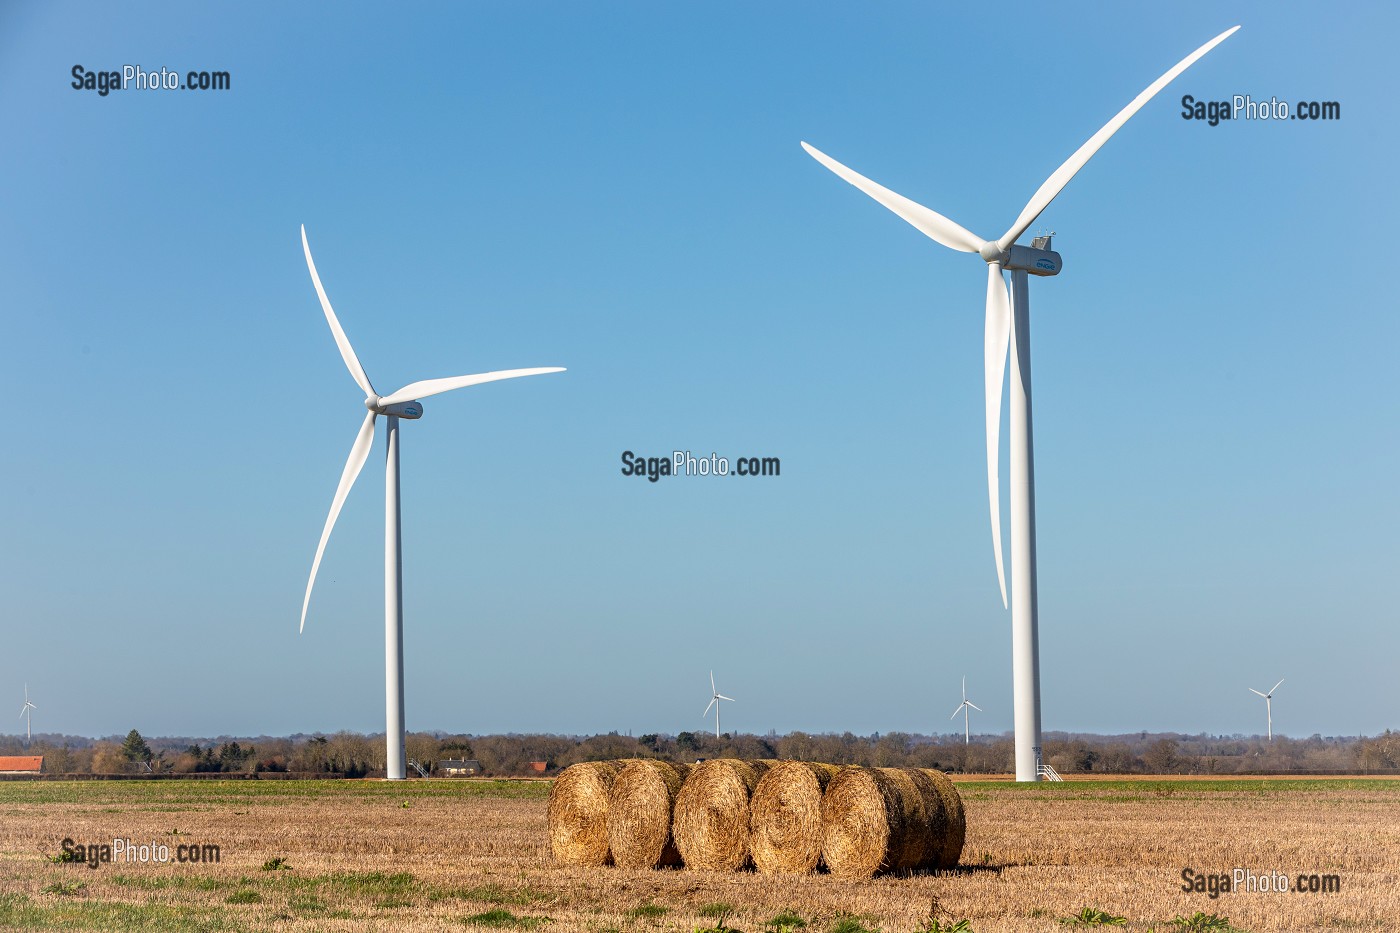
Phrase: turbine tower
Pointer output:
(1268, 706)
(402, 404)
(715, 697)
(967, 734)
(1008, 326)
(24, 714)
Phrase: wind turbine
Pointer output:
(967, 734)
(1009, 317)
(401, 404)
(715, 697)
(1268, 706)
(24, 714)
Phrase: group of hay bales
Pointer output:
(781, 817)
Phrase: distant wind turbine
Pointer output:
(403, 404)
(1268, 706)
(967, 734)
(24, 713)
(715, 697)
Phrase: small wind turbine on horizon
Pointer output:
(715, 697)
(962, 708)
(402, 404)
(1268, 705)
(24, 713)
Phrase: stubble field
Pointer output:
(468, 855)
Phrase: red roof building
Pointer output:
(21, 764)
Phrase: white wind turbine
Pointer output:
(24, 714)
(1005, 318)
(715, 697)
(401, 404)
(1268, 705)
(967, 734)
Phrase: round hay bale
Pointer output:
(881, 820)
(926, 825)
(711, 825)
(640, 808)
(578, 813)
(785, 817)
(956, 818)
(936, 821)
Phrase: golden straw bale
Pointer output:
(785, 817)
(711, 825)
(640, 808)
(881, 820)
(578, 813)
(956, 832)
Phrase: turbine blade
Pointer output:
(720, 696)
(1274, 687)
(359, 452)
(930, 223)
(996, 342)
(974, 706)
(707, 709)
(1257, 693)
(429, 387)
(347, 352)
(1056, 182)
(712, 683)
(956, 711)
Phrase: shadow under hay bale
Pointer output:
(640, 808)
(711, 825)
(882, 820)
(785, 817)
(578, 813)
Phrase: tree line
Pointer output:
(352, 754)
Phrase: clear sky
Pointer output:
(618, 188)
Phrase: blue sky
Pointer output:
(619, 190)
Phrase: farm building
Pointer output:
(539, 767)
(21, 764)
(459, 767)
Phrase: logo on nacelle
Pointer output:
(1044, 264)
(403, 410)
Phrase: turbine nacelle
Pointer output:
(1032, 260)
(410, 410)
(1029, 259)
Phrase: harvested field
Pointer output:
(475, 855)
